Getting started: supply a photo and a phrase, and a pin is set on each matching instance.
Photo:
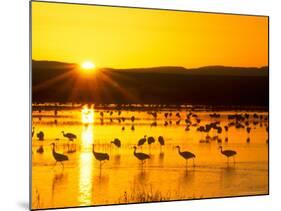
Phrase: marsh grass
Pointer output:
(148, 194)
(37, 202)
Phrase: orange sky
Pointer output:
(124, 38)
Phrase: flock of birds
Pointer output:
(239, 121)
(102, 157)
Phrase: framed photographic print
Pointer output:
(136, 105)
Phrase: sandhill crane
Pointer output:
(161, 140)
(228, 153)
(100, 156)
(40, 135)
(186, 155)
(133, 128)
(153, 124)
(142, 141)
(58, 157)
(70, 136)
(150, 140)
(141, 156)
(133, 118)
(116, 142)
(40, 150)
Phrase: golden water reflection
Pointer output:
(86, 166)
(164, 177)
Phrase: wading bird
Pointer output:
(100, 156)
(150, 140)
(141, 156)
(40, 136)
(70, 136)
(58, 157)
(142, 141)
(40, 150)
(228, 153)
(116, 142)
(186, 155)
(161, 141)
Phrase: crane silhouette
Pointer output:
(141, 156)
(186, 155)
(150, 140)
(161, 140)
(116, 142)
(40, 150)
(142, 141)
(228, 153)
(40, 136)
(100, 156)
(58, 157)
(70, 136)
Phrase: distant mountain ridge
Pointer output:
(205, 70)
(210, 85)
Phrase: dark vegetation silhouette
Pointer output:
(212, 85)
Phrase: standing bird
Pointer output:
(142, 141)
(116, 142)
(70, 136)
(161, 140)
(141, 156)
(40, 150)
(228, 153)
(40, 136)
(186, 155)
(150, 140)
(58, 157)
(100, 156)
(133, 128)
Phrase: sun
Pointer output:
(88, 66)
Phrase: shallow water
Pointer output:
(164, 176)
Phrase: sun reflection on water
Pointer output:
(86, 165)
(87, 115)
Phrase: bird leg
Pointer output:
(62, 165)
(55, 165)
(193, 162)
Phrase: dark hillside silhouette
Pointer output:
(213, 85)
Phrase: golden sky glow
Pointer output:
(124, 38)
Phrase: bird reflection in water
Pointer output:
(58, 180)
(161, 157)
(117, 159)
